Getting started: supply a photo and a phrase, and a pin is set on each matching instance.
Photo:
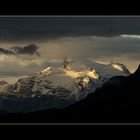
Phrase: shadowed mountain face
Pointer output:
(117, 94)
(118, 100)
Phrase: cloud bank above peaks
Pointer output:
(117, 48)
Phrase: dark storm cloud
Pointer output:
(50, 27)
(6, 51)
(17, 50)
(29, 49)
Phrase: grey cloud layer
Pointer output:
(14, 28)
(96, 47)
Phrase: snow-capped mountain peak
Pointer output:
(55, 87)
(120, 67)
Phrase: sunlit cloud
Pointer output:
(131, 36)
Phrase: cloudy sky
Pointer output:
(28, 44)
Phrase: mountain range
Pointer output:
(116, 100)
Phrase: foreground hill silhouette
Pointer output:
(118, 100)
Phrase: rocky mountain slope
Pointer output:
(55, 87)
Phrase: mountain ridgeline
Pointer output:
(118, 100)
(56, 87)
